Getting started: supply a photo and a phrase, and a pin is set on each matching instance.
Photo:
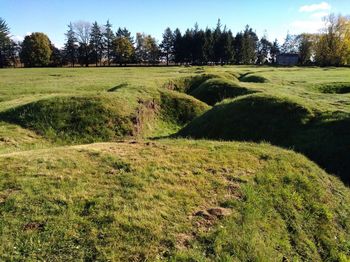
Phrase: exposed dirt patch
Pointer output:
(34, 226)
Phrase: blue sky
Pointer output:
(153, 16)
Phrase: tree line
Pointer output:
(90, 43)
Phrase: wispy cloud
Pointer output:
(319, 14)
(315, 7)
(307, 26)
(314, 22)
(17, 38)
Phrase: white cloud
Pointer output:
(315, 7)
(314, 21)
(307, 26)
(319, 14)
(17, 38)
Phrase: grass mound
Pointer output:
(217, 89)
(15, 138)
(253, 78)
(256, 118)
(173, 200)
(335, 88)
(86, 119)
(180, 108)
(283, 122)
(76, 119)
(189, 84)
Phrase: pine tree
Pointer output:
(249, 46)
(208, 45)
(125, 33)
(178, 47)
(226, 50)
(167, 45)
(198, 46)
(70, 47)
(187, 42)
(108, 41)
(274, 52)
(123, 49)
(217, 47)
(96, 43)
(5, 43)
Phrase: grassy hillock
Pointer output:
(253, 78)
(14, 138)
(174, 200)
(334, 88)
(284, 121)
(217, 89)
(91, 118)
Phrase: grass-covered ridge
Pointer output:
(104, 117)
(335, 88)
(174, 200)
(285, 121)
(217, 89)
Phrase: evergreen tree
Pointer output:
(123, 32)
(178, 47)
(187, 42)
(275, 51)
(70, 47)
(57, 57)
(237, 46)
(167, 45)
(217, 45)
(5, 43)
(198, 45)
(208, 45)
(249, 46)
(123, 49)
(96, 43)
(108, 41)
(227, 51)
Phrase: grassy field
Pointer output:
(175, 164)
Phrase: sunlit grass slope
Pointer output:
(172, 199)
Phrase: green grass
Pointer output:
(137, 197)
(217, 89)
(136, 201)
(105, 117)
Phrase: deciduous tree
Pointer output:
(82, 31)
(36, 50)
(123, 49)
